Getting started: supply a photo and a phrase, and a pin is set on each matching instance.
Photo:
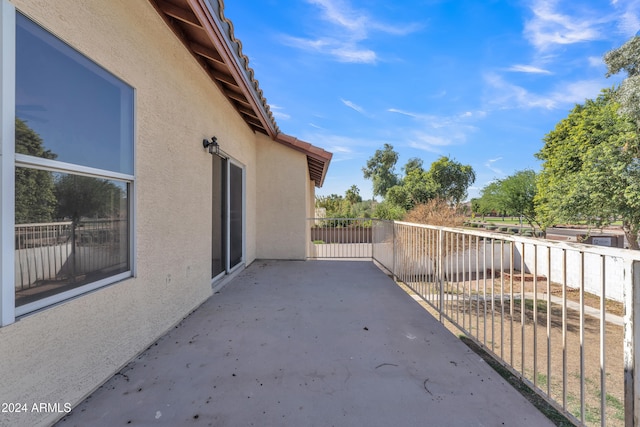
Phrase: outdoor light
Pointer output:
(214, 147)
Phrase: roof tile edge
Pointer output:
(236, 46)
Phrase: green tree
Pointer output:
(333, 204)
(413, 163)
(591, 168)
(399, 196)
(417, 187)
(475, 205)
(386, 210)
(353, 195)
(490, 200)
(513, 195)
(451, 179)
(35, 198)
(627, 58)
(518, 195)
(380, 169)
(86, 197)
(349, 206)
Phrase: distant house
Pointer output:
(140, 166)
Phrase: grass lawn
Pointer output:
(498, 220)
(515, 220)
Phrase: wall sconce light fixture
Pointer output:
(213, 146)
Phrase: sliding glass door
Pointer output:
(236, 214)
(227, 232)
(219, 217)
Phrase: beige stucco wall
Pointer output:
(281, 228)
(62, 353)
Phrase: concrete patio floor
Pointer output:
(308, 343)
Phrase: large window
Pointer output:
(74, 171)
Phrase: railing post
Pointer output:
(631, 338)
(441, 271)
(373, 239)
(393, 249)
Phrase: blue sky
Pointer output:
(480, 81)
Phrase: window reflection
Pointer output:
(81, 238)
(70, 229)
(82, 112)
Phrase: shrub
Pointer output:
(435, 212)
(386, 210)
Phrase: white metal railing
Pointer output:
(340, 238)
(60, 251)
(559, 315)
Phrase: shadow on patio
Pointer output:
(302, 343)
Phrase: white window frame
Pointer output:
(7, 165)
(8, 162)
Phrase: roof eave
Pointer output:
(214, 21)
(208, 35)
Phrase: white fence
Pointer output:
(579, 273)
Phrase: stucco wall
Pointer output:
(282, 191)
(311, 213)
(62, 353)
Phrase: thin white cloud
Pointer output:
(434, 132)
(340, 13)
(506, 95)
(343, 147)
(577, 92)
(278, 114)
(550, 26)
(595, 61)
(556, 22)
(433, 140)
(492, 168)
(340, 149)
(440, 121)
(353, 106)
(339, 50)
(528, 69)
(404, 113)
(424, 147)
(352, 26)
(313, 125)
(629, 20)
(349, 53)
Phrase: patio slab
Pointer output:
(308, 343)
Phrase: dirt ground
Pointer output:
(545, 358)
